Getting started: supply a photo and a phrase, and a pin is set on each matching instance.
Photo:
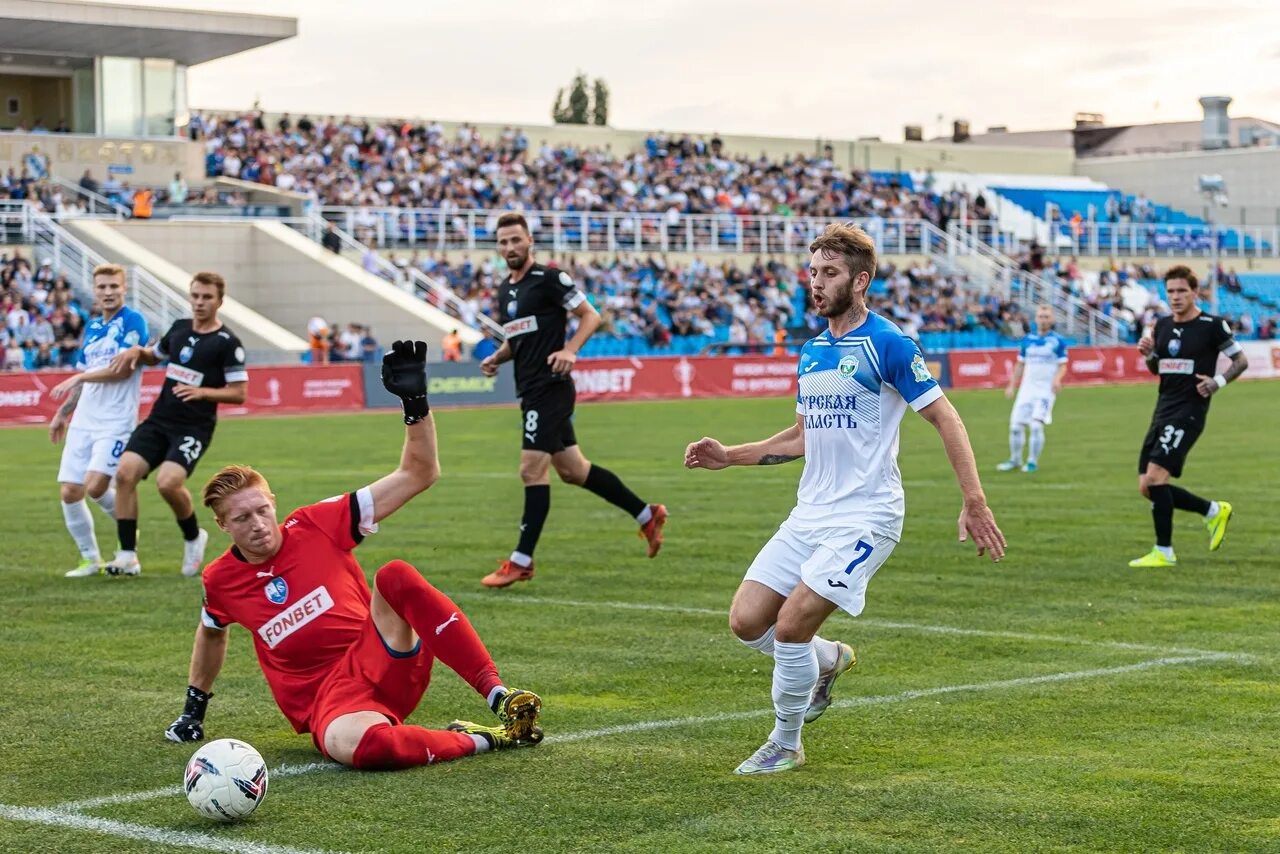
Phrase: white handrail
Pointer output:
(72, 257)
(408, 278)
(119, 210)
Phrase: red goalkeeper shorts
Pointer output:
(371, 677)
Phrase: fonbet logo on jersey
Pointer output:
(293, 618)
(520, 326)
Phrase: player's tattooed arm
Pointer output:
(776, 459)
(69, 406)
(1239, 364)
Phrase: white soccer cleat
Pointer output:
(87, 567)
(125, 563)
(1008, 465)
(772, 758)
(193, 554)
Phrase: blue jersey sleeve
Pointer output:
(905, 368)
(1062, 348)
(1022, 348)
(135, 330)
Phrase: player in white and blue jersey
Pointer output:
(856, 381)
(100, 411)
(1042, 363)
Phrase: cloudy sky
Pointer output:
(839, 68)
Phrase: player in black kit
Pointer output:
(206, 367)
(1183, 351)
(534, 303)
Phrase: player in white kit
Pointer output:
(100, 411)
(1042, 363)
(856, 381)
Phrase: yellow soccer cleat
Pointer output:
(1217, 525)
(1153, 559)
(498, 737)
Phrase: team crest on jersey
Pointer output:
(848, 366)
(185, 354)
(1174, 346)
(277, 590)
(920, 370)
(511, 308)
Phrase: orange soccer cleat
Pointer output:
(652, 530)
(507, 573)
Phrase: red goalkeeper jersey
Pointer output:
(306, 605)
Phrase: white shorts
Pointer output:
(835, 563)
(1028, 409)
(86, 451)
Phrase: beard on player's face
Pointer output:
(837, 301)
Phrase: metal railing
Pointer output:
(1165, 240)
(98, 204)
(960, 251)
(73, 258)
(610, 231)
(409, 278)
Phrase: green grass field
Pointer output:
(1056, 701)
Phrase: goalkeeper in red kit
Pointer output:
(345, 663)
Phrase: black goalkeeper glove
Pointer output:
(404, 374)
(190, 724)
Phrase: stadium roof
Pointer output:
(77, 29)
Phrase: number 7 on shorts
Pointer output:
(862, 551)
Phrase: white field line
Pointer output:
(904, 696)
(166, 791)
(697, 720)
(157, 835)
(859, 621)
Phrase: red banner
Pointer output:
(993, 368)
(666, 377)
(24, 397)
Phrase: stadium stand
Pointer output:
(43, 321)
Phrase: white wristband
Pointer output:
(1220, 380)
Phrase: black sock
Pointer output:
(1162, 513)
(537, 504)
(190, 530)
(1184, 500)
(127, 534)
(606, 484)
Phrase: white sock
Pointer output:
(80, 524)
(492, 699)
(522, 559)
(1015, 443)
(1213, 510)
(827, 651)
(107, 501)
(1167, 551)
(482, 743)
(764, 643)
(1037, 441)
(795, 672)
(643, 517)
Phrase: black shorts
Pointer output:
(182, 444)
(1170, 439)
(547, 418)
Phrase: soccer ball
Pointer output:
(226, 780)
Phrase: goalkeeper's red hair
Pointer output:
(229, 481)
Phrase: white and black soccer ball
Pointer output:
(226, 780)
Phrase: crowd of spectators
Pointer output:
(43, 322)
(329, 342)
(415, 164)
